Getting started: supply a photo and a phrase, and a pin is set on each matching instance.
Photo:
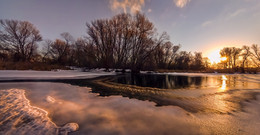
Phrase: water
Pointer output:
(161, 81)
(180, 81)
(220, 104)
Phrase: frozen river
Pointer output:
(32, 102)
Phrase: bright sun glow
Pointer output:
(224, 83)
(223, 58)
(215, 57)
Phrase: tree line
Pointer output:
(124, 41)
(244, 57)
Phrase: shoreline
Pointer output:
(20, 116)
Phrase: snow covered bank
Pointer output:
(19, 117)
(44, 75)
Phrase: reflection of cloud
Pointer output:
(50, 99)
(181, 3)
(127, 5)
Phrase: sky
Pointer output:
(197, 25)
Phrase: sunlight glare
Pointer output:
(223, 58)
(214, 56)
(224, 83)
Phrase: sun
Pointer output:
(215, 57)
(223, 58)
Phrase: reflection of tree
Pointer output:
(224, 102)
(161, 81)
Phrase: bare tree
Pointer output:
(256, 54)
(173, 54)
(46, 50)
(100, 31)
(21, 37)
(235, 52)
(227, 52)
(245, 54)
(183, 60)
(59, 51)
(198, 61)
(124, 40)
(123, 26)
(165, 54)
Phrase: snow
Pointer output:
(44, 75)
(20, 116)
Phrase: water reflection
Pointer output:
(224, 83)
(177, 82)
(104, 115)
(162, 81)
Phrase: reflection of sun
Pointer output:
(224, 83)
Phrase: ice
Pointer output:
(45, 75)
(19, 117)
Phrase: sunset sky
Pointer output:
(198, 25)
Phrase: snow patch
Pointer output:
(44, 75)
(17, 116)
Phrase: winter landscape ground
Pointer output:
(33, 103)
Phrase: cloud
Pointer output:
(181, 3)
(131, 6)
(237, 12)
(206, 23)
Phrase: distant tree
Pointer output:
(19, 38)
(206, 62)
(173, 54)
(245, 54)
(256, 54)
(165, 54)
(59, 51)
(4, 52)
(78, 52)
(235, 52)
(227, 53)
(183, 60)
(68, 38)
(198, 61)
(46, 50)
(84, 53)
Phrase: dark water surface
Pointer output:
(180, 81)
(214, 96)
(162, 81)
